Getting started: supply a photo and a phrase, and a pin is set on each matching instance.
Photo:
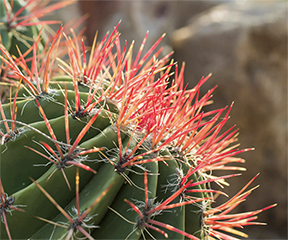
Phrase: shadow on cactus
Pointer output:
(144, 153)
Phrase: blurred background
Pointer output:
(244, 45)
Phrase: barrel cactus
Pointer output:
(110, 147)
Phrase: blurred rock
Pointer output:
(185, 11)
(244, 45)
(104, 16)
(139, 16)
(265, 234)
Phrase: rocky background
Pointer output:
(244, 44)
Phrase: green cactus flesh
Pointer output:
(109, 148)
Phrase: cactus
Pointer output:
(107, 147)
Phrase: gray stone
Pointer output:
(139, 16)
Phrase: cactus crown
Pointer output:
(136, 141)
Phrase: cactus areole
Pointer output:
(96, 144)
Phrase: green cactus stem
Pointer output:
(135, 140)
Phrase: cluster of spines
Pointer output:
(153, 124)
